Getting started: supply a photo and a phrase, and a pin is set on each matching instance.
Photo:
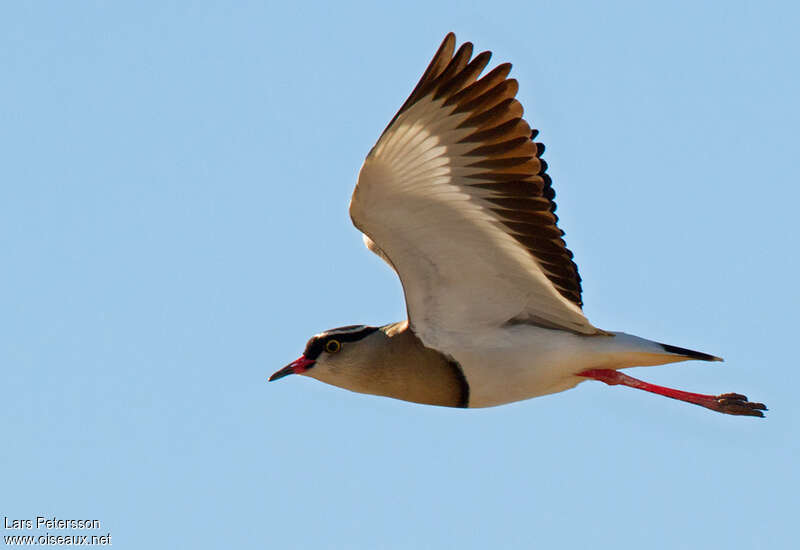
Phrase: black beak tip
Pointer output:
(298, 366)
(285, 371)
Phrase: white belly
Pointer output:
(521, 362)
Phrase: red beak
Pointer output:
(298, 366)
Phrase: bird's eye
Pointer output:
(332, 346)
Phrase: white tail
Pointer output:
(640, 352)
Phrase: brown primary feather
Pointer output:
(513, 133)
(478, 88)
(464, 78)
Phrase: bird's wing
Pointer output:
(455, 198)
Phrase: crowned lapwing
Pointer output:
(455, 197)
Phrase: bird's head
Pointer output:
(329, 353)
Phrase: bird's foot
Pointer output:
(736, 403)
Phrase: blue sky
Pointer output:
(173, 227)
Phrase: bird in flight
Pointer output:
(455, 197)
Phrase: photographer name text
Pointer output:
(41, 522)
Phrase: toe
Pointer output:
(737, 404)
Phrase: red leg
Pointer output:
(728, 403)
